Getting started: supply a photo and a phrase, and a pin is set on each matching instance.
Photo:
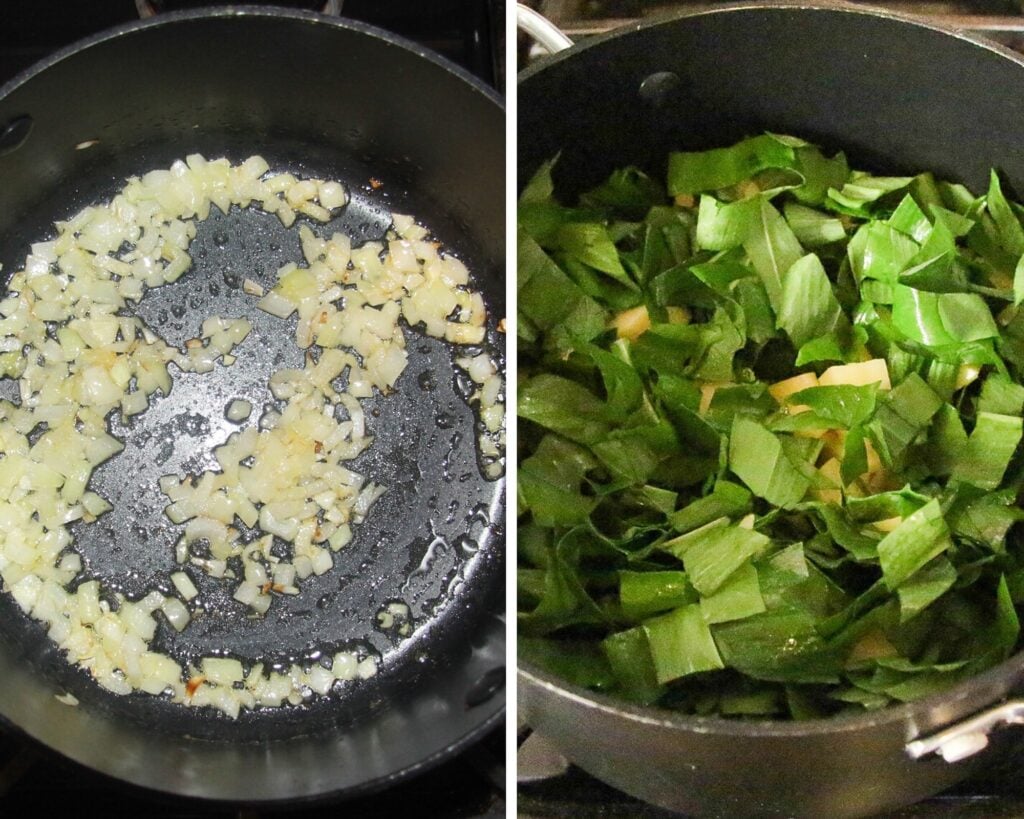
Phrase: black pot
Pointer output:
(898, 96)
(330, 98)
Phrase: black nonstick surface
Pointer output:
(433, 541)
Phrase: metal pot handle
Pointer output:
(970, 736)
(540, 28)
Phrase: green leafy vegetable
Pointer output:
(925, 587)
(781, 645)
(813, 228)
(758, 459)
(772, 248)
(681, 644)
(726, 500)
(642, 594)
(770, 432)
(912, 544)
(808, 307)
(714, 553)
(992, 443)
(738, 597)
(701, 171)
(629, 657)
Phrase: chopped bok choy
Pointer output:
(770, 413)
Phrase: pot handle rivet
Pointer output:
(486, 687)
(14, 133)
(658, 89)
(969, 737)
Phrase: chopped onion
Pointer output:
(183, 583)
(276, 305)
(222, 670)
(176, 613)
(252, 288)
(287, 475)
(239, 410)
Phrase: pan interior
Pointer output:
(425, 542)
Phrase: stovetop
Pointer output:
(470, 785)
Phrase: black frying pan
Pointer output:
(898, 96)
(319, 97)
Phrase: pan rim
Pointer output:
(916, 717)
(369, 786)
(252, 11)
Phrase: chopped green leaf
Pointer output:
(925, 587)
(629, 656)
(634, 453)
(576, 661)
(757, 458)
(550, 301)
(984, 517)
(697, 172)
(992, 443)
(1010, 233)
(726, 500)
(590, 244)
(919, 538)
(773, 249)
(540, 188)
(565, 407)
(642, 594)
(861, 191)
(845, 405)
(550, 483)
(1001, 396)
(622, 384)
(629, 190)
(901, 417)
(681, 644)
(711, 555)
(813, 228)
(723, 226)
(781, 645)
(565, 601)
(910, 219)
(808, 307)
(886, 253)
(738, 597)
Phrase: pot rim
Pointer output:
(248, 11)
(1001, 678)
(781, 6)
